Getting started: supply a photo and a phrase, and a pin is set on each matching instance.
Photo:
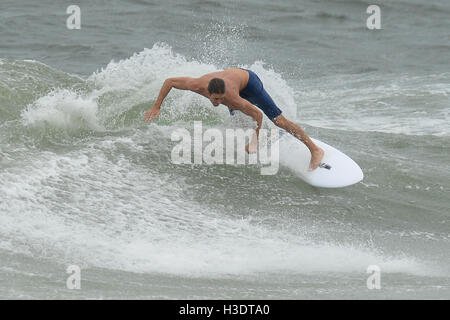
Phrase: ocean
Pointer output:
(85, 182)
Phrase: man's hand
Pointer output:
(252, 147)
(152, 113)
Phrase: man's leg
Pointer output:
(296, 131)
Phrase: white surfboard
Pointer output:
(336, 169)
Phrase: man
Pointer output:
(238, 89)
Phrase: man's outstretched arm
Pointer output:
(182, 83)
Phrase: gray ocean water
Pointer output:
(85, 181)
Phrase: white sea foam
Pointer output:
(402, 105)
(125, 83)
(81, 208)
(63, 109)
(84, 208)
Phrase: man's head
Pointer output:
(216, 88)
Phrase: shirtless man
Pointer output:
(238, 89)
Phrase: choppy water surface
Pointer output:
(84, 181)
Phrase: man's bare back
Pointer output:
(235, 79)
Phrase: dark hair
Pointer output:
(216, 85)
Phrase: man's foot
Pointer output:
(316, 158)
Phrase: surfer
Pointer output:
(238, 89)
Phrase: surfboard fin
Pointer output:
(325, 165)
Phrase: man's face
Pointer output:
(217, 98)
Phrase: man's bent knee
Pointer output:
(280, 121)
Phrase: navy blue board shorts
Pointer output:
(254, 93)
